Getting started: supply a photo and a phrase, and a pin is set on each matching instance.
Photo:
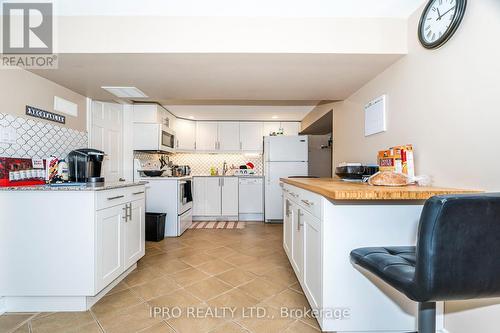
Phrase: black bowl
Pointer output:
(154, 173)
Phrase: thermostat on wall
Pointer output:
(375, 116)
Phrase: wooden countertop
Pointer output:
(335, 189)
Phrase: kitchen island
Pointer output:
(63, 248)
(324, 219)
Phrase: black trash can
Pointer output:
(155, 226)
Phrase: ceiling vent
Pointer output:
(125, 92)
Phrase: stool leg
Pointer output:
(427, 317)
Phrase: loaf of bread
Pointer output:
(388, 178)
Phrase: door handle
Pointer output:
(137, 193)
(299, 224)
(117, 197)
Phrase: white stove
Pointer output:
(166, 194)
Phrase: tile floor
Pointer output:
(243, 274)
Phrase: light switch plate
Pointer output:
(8, 135)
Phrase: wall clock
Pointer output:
(439, 21)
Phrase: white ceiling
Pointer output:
(241, 112)
(242, 8)
(271, 77)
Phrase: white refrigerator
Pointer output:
(284, 156)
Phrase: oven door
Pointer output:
(184, 221)
(185, 199)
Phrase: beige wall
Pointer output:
(19, 88)
(445, 102)
(319, 111)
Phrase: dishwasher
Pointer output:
(251, 199)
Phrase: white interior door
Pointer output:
(251, 136)
(229, 136)
(206, 135)
(107, 135)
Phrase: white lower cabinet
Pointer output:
(312, 269)
(120, 240)
(229, 187)
(109, 234)
(133, 248)
(318, 236)
(302, 241)
(287, 226)
(298, 241)
(79, 251)
(215, 197)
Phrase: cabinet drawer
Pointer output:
(307, 200)
(119, 196)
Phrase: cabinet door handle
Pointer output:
(195, 145)
(307, 202)
(241, 145)
(130, 211)
(117, 197)
(126, 213)
(294, 195)
(216, 145)
(137, 193)
(299, 214)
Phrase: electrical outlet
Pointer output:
(8, 135)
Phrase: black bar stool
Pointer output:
(457, 256)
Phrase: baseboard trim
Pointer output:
(215, 218)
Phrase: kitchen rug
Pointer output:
(218, 225)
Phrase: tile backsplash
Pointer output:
(36, 139)
(201, 163)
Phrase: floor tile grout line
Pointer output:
(96, 321)
(21, 324)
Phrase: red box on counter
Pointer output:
(20, 172)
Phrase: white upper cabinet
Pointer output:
(153, 113)
(185, 131)
(271, 127)
(251, 136)
(206, 136)
(228, 136)
(290, 128)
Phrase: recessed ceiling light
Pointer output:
(125, 92)
(275, 117)
(191, 117)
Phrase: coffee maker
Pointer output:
(85, 166)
